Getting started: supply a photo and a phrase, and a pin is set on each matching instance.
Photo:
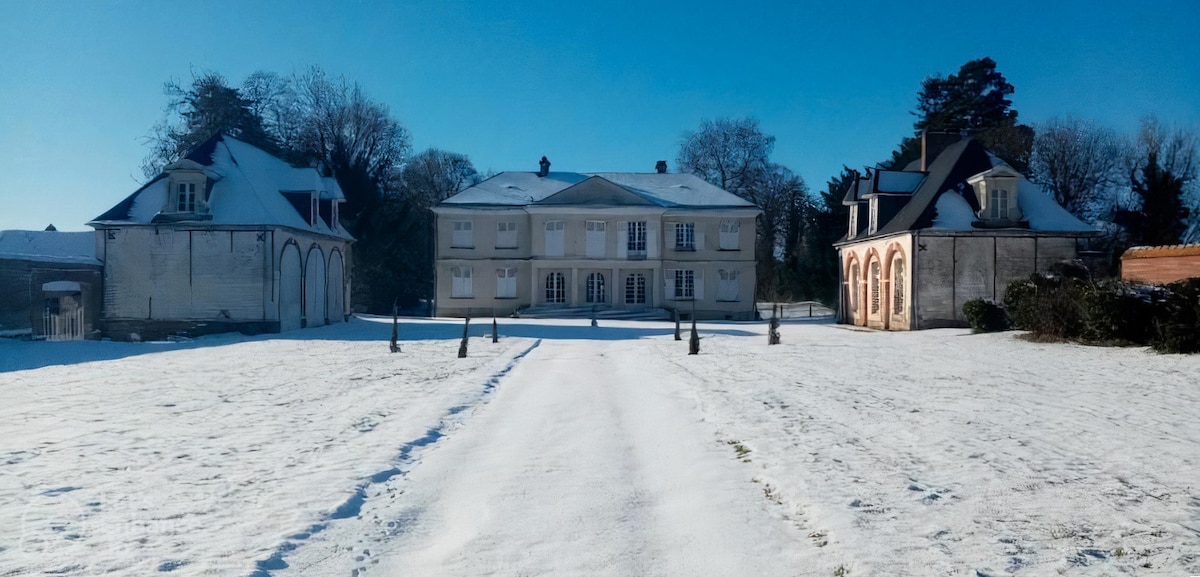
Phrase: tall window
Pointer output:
(556, 288)
(554, 238)
(854, 285)
(685, 284)
(727, 287)
(596, 231)
(853, 230)
(595, 288)
(898, 286)
(873, 223)
(637, 238)
(874, 287)
(635, 289)
(998, 203)
(186, 197)
(685, 236)
(506, 235)
(464, 235)
(506, 283)
(460, 286)
(729, 234)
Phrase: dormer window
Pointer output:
(873, 223)
(996, 195)
(185, 195)
(853, 232)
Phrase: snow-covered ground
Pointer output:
(571, 450)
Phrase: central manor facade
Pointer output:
(623, 241)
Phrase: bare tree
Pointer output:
(1079, 162)
(434, 175)
(732, 153)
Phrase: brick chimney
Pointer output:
(660, 167)
(543, 167)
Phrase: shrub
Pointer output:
(1113, 313)
(1177, 318)
(1044, 306)
(985, 316)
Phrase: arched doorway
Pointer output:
(335, 283)
(314, 288)
(291, 308)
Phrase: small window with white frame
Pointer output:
(685, 236)
(506, 283)
(506, 235)
(730, 229)
(998, 203)
(873, 222)
(464, 235)
(460, 284)
(685, 284)
(185, 197)
(636, 244)
(727, 287)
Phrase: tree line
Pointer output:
(1137, 189)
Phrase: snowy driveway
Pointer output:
(587, 462)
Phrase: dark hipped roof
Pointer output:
(953, 166)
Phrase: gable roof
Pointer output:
(944, 200)
(49, 246)
(246, 186)
(668, 190)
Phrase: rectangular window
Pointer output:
(506, 235)
(635, 289)
(186, 197)
(636, 244)
(460, 284)
(685, 284)
(506, 283)
(554, 238)
(727, 288)
(597, 234)
(464, 236)
(729, 234)
(685, 236)
(873, 223)
(998, 201)
(853, 222)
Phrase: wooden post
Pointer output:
(694, 342)
(495, 334)
(395, 348)
(676, 313)
(773, 333)
(462, 347)
(594, 316)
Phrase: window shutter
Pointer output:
(699, 279)
(623, 240)
(652, 239)
(669, 284)
(699, 236)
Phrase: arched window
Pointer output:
(874, 287)
(556, 291)
(855, 274)
(595, 288)
(898, 285)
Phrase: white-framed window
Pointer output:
(875, 287)
(998, 203)
(596, 292)
(636, 244)
(506, 235)
(853, 222)
(873, 223)
(635, 289)
(555, 237)
(597, 231)
(685, 284)
(730, 229)
(727, 286)
(685, 236)
(855, 273)
(898, 286)
(556, 288)
(185, 197)
(460, 284)
(506, 283)
(464, 235)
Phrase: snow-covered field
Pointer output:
(571, 450)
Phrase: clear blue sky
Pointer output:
(596, 85)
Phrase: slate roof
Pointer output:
(670, 190)
(947, 175)
(246, 186)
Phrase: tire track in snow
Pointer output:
(406, 460)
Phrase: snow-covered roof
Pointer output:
(663, 189)
(246, 186)
(49, 246)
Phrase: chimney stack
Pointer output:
(660, 167)
(543, 167)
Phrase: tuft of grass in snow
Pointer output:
(742, 451)
(841, 571)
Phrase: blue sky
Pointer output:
(595, 86)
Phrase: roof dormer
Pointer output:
(996, 193)
(187, 187)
